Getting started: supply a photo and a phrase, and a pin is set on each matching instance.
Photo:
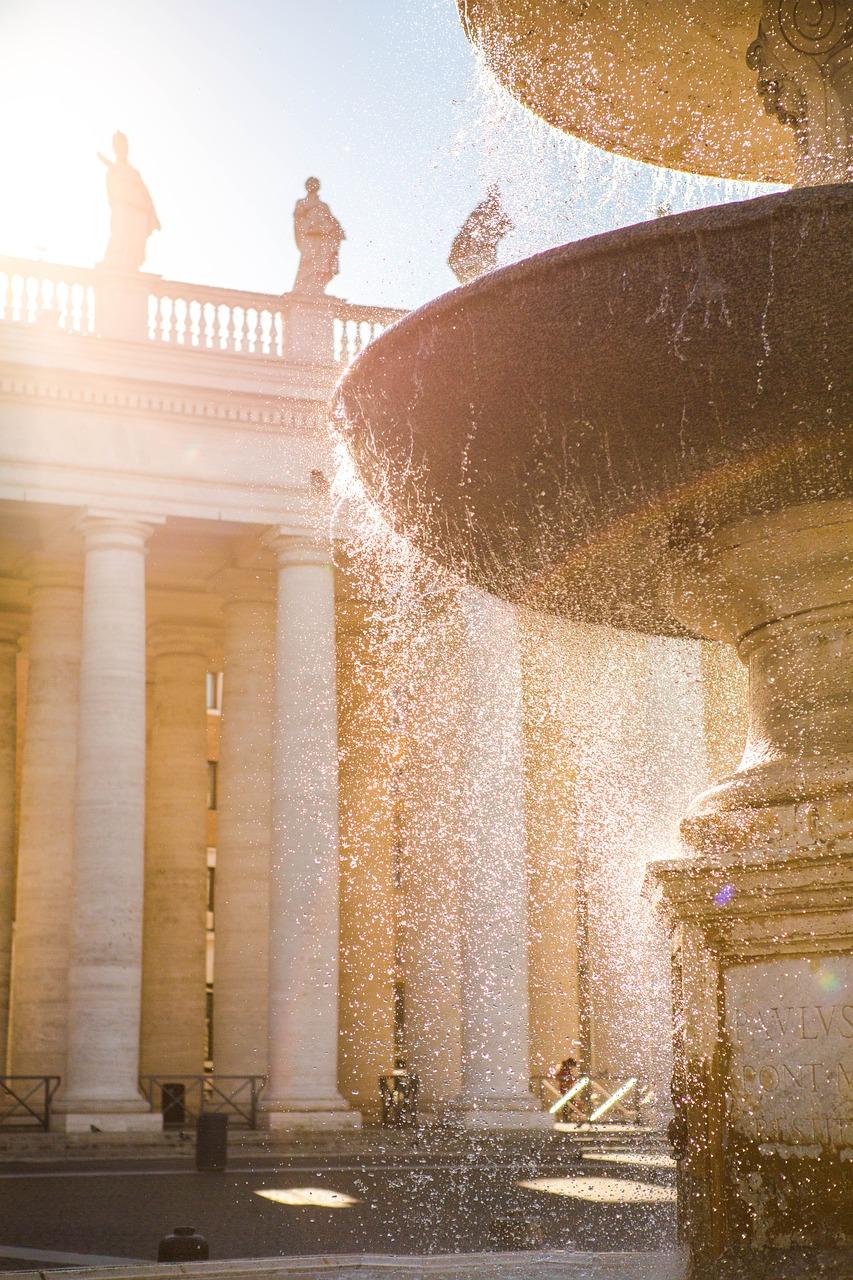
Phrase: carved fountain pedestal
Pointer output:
(762, 911)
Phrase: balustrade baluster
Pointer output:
(31, 299)
(194, 323)
(208, 313)
(252, 318)
(238, 330)
(63, 306)
(179, 321)
(266, 333)
(167, 308)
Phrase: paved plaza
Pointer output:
(350, 1208)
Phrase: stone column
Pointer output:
(493, 879)
(46, 822)
(762, 912)
(100, 1085)
(174, 942)
(368, 760)
(241, 903)
(8, 743)
(430, 854)
(302, 1090)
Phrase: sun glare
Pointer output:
(308, 1197)
(603, 1190)
(642, 1159)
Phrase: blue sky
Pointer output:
(230, 104)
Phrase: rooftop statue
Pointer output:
(318, 237)
(133, 214)
(475, 246)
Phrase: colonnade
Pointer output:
(108, 974)
(93, 979)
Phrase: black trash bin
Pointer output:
(173, 1095)
(211, 1142)
(183, 1244)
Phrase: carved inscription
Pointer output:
(790, 1025)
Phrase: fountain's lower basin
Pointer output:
(553, 431)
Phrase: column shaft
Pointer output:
(46, 830)
(368, 908)
(174, 944)
(8, 742)
(431, 860)
(304, 874)
(105, 971)
(241, 908)
(493, 880)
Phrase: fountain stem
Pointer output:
(781, 589)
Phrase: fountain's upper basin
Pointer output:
(663, 81)
(560, 430)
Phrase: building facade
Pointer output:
(249, 826)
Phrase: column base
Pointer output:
(501, 1114)
(106, 1121)
(283, 1117)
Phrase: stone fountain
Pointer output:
(652, 429)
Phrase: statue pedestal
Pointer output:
(309, 336)
(761, 915)
(121, 304)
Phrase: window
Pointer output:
(214, 691)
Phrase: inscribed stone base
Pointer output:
(763, 1083)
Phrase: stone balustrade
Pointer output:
(198, 318)
(47, 294)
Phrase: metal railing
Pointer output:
(25, 1102)
(596, 1099)
(182, 1099)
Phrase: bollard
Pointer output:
(183, 1244)
(211, 1142)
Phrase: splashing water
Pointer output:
(613, 748)
(558, 188)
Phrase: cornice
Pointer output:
(294, 416)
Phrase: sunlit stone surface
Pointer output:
(494, 1266)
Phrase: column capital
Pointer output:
(15, 611)
(190, 639)
(11, 628)
(47, 570)
(104, 528)
(299, 542)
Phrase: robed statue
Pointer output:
(318, 238)
(475, 246)
(133, 216)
